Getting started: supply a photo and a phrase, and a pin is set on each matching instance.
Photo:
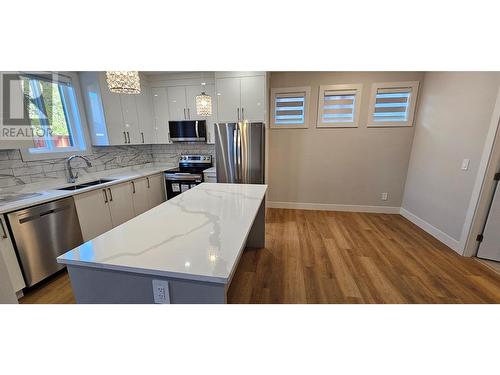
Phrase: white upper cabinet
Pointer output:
(144, 102)
(241, 98)
(228, 99)
(253, 98)
(160, 114)
(117, 119)
(177, 107)
(130, 118)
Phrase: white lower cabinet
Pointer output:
(103, 209)
(140, 195)
(156, 184)
(8, 254)
(120, 203)
(93, 213)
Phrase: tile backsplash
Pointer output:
(15, 171)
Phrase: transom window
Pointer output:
(53, 113)
(393, 104)
(290, 107)
(338, 105)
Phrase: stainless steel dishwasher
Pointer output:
(42, 233)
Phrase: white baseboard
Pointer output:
(433, 231)
(334, 207)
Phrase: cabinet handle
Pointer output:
(142, 135)
(185, 118)
(149, 185)
(242, 114)
(189, 114)
(4, 233)
(133, 187)
(105, 196)
(128, 135)
(110, 195)
(125, 135)
(238, 110)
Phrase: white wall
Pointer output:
(452, 122)
(331, 168)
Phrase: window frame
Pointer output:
(358, 87)
(291, 90)
(79, 131)
(414, 85)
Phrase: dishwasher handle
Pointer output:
(42, 214)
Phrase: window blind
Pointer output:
(338, 106)
(392, 104)
(289, 108)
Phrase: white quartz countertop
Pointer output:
(48, 189)
(198, 235)
(209, 170)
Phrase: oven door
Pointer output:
(180, 182)
(187, 131)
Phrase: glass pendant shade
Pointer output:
(124, 82)
(204, 105)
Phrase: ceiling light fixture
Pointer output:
(203, 103)
(123, 82)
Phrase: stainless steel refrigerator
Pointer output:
(239, 152)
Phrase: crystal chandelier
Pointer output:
(204, 104)
(124, 82)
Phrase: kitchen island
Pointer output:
(185, 250)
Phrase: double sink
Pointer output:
(87, 184)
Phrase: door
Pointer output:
(250, 153)
(253, 98)
(160, 110)
(140, 195)
(156, 185)
(8, 254)
(93, 213)
(120, 203)
(228, 99)
(226, 152)
(113, 113)
(130, 119)
(144, 103)
(177, 103)
(490, 246)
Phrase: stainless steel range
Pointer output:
(187, 175)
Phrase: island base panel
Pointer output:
(93, 285)
(257, 236)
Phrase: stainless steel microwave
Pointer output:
(188, 131)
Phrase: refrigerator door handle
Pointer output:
(235, 154)
(239, 161)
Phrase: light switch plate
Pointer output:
(161, 292)
(465, 164)
(384, 196)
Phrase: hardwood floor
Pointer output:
(342, 257)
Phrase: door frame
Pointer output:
(483, 190)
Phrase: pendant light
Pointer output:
(124, 82)
(203, 103)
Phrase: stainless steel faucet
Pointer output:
(72, 177)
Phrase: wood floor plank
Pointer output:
(340, 257)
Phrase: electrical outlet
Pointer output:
(161, 292)
(384, 196)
